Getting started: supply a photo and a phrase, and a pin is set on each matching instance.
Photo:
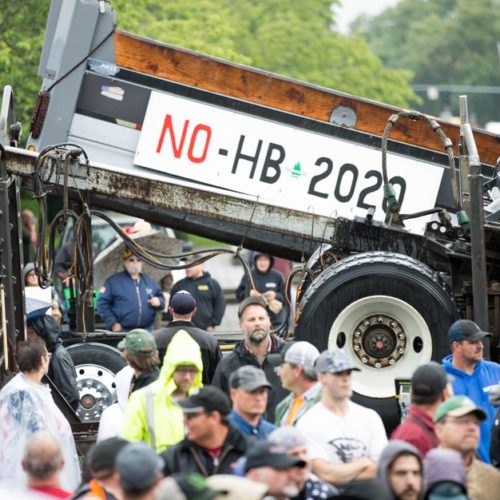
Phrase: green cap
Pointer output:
(458, 406)
(139, 342)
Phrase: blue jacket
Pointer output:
(125, 300)
(485, 374)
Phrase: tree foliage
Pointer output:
(442, 42)
(21, 39)
(290, 37)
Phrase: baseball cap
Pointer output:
(464, 329)
(334, 361)
(185, 487)
(429, 380)
(139, 342)
(296, 353)
(251, 301)
(208, 399)
(264, 454)
(458, 406)
(183, 302)
(127, 253)
(248, 378)
(138, 466)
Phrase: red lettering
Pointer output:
(208, 133)
(167, 124)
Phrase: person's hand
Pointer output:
(116, 327)
(210, 328)
(254, 293)
(270, 295)
(154, 302)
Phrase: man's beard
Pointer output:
(408, 490)
(258, 336)
(133, 268)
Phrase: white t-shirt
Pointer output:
(342, 439)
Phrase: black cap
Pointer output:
(464, 329)
(251, 301)
(429, 380)
(208, 399)
(265, 454)
(183, 302)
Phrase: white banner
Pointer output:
(281, 164)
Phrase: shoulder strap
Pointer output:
(430, 434)
(150, 414)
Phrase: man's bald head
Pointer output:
(42, 456)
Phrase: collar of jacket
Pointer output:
(234, 438)
(242, 350)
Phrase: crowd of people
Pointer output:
(271, 419)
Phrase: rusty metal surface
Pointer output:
(126, 192)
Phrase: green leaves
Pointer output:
(442, 42)
(290, 37)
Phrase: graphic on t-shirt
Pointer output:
(348, 449)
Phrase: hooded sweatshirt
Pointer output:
(391, 452)
(152, 414)
(485, 375)
(111, 421)
(268, 281)
(61, 368)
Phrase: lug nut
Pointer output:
(366, 322)
(364, 359)
(391, 361)
(357, 348)
(380, 319)
(357, 333)
(377, 365)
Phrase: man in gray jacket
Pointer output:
(399, 471)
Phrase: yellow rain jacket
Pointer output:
(152, 415)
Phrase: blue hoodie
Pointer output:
(485, 374)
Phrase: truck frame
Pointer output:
(262, 161)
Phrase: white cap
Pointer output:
(301, 353)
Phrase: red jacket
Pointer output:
(418, 430)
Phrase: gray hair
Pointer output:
(288, 437)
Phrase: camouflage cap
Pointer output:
(334, 361)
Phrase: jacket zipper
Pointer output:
(138, 293)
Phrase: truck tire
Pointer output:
(96, 366)
(389, 311)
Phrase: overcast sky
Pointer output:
(350, 9)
